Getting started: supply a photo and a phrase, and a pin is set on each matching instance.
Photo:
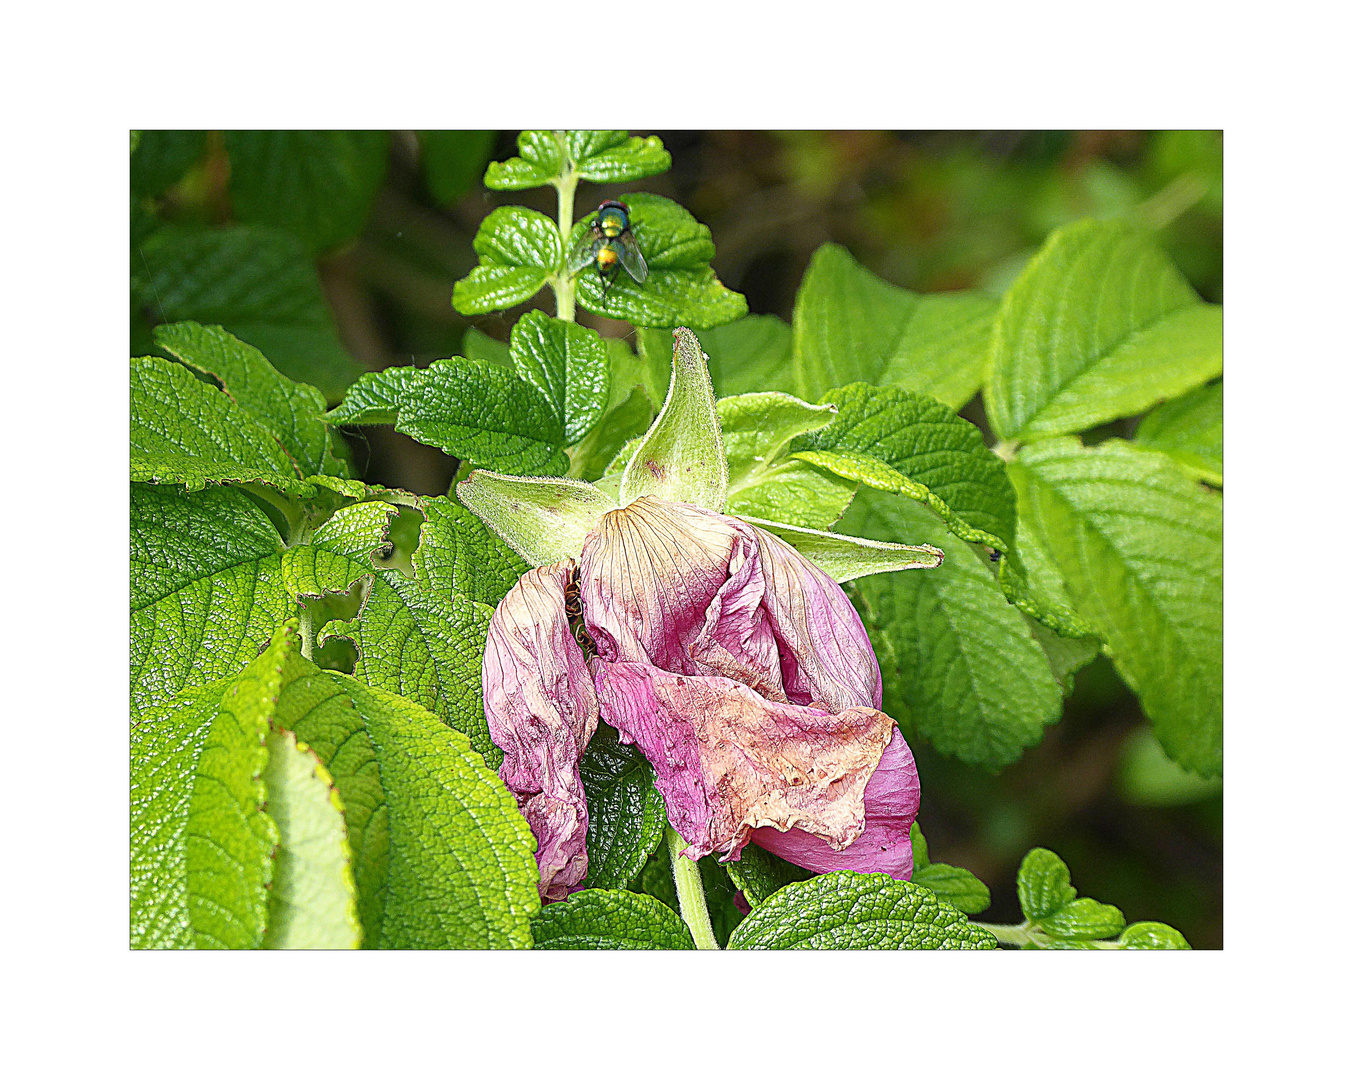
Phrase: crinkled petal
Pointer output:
(825, 655)
(892, 799)
(729, 761)
(681, 588)
(541, 709)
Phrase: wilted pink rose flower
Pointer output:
(740, 670)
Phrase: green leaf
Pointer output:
(312, 902)
(211, 580)
(477, 345)
(941, 459)
(681, 289)
(761, 483)
(293, 412)
(185, 431)
(318, 185)
(1044, 884)
(759, 874)
(453, 161)
(604, 157)
(1099, 325)
(201, 843)
(462, 872)
(259, 283)
(1152, 935)
(1048, 900)
(625, 812)
(518, 250)
(681, 459)
(470, 409)
(629, 411)
(1066, 655)
(160, 158)
(846, 910)
(952, 650)
(1139, 545)
(568, 364)
(851, 326)
(750, 354)
(1031, 581)
(423, 638)
(959, 887)
(1189, 429)
(610, 919)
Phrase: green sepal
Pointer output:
(542, 520)
(845, 558)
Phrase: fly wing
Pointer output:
(583, 252)
(632, 259)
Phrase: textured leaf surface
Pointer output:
(259, 283)
(423, 637)
(185, 431)
(953, 884)
(211, 580)
(1099, 325)
(518, 250)
(462, 872)
(293, 412)
(1139, 545)
(681, 289)
(759, 874)
(1152, 935)
(1189, 429)
(941, 459)
(762, 483)
(604, 157)
(312, 902)
(610, 919)
(852, 326)
(952, 649)
(318, 185)
(1049, 901)
(201, 842)
(1032, 582)
(470, 409)
(568, 364)
(845, 910)
(625, 812)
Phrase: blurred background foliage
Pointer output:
(367, 285)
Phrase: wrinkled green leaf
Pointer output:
(318, 185)
(568, 364)
(201, 842)
(423, 638)
(312, 902)
(1152, 935)
(257, 282)
(1139, 545)
(851, 326)
(1099, 325)
(681, 289)
(952, 650)
(604, 157)
(518, 250)
(625, 812)
(610, 919)
(1189, 429)
(470, 409)
(845, 910)
(1044, 884)
(935, 458)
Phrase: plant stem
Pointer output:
(1005, 449)
(307, 633)
(566, 185)
(690, 893)
(1018, 936)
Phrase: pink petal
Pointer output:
(728, 760)
(680, 588)
(825, 654)
(542, 712)
(892, 799)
